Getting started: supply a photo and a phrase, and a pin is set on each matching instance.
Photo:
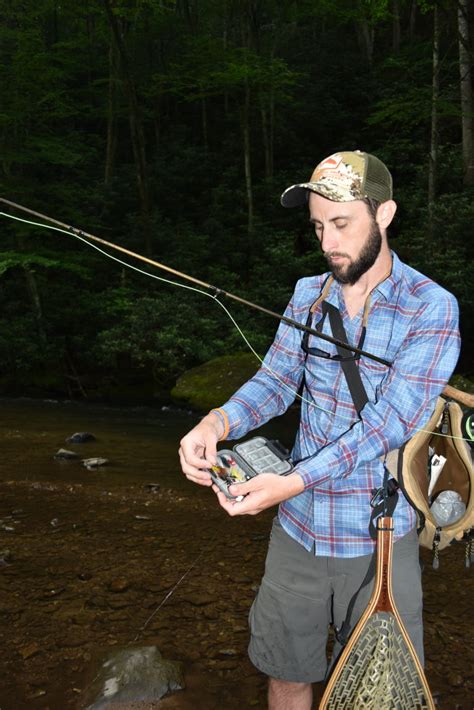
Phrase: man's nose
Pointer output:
(329, 239)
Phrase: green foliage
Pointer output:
(13, 260)
(310, 89)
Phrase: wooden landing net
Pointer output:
(379, 668)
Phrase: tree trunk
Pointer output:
(396, 33)
(247, 42)
(34, 295)
(136, 128)
(412, 25)
(365, 36)
(466, 92)
(111, 115)
(271, 131)
(433, 159)
(247, 163)
(267, 113)
(204, 123)
(266, 138)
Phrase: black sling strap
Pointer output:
(384, 500)
(348, 363)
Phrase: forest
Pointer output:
(171, 127)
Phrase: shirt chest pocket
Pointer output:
(323, 374)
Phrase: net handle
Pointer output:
(460, 396)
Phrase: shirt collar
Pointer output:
(387, 287)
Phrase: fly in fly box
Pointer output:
(248, 459)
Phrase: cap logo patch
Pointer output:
(328, 166)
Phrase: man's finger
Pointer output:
(192, 462)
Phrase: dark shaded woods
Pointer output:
(172, 127)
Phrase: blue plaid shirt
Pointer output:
(412, 323)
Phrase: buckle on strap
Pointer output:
(378, 494)
(377, 497)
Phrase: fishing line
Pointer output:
(215, 298)
(188, 288)
(206, 550)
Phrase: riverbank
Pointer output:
(89, 566)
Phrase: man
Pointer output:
(320, 547)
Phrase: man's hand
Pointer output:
(261, 492)
(197, 451)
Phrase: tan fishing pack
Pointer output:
(441, 437)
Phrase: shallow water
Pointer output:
(141, 443)
(94, 554)
(71, 532)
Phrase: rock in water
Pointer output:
(139, 674)
(94, 462)
(80, 437)
(65, 454)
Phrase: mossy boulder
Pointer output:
(211, 384)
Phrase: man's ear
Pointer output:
(386, 213)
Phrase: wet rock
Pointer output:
(120, 603)
(30, 650)
(73, 640)
(241, 579)
(65, 455)
(211, 614)
(227, 665)
(53, 592)
(80, 437)
(152, 487)
(119, 585)
(199, 598)
(94, 462)
(98, 602)
(37, 694)
(225, 652)
(135, 675)
(5, 557)
(455, 679)
(156, 587)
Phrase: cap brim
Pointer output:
(297, 195)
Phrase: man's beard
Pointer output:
(351, 274)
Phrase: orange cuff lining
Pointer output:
(226, 422)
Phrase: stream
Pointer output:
(88, 559)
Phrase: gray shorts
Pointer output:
(301, 594)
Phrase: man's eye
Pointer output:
(341, 225)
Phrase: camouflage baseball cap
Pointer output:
(344, 177)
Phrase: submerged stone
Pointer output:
(30, 650)
(135, 675)
(119, 585)
(65, 455)
(94, 462)
(80, 437)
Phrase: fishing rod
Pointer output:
(217, 292)
(449, 391)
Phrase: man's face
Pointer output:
(350, 237)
